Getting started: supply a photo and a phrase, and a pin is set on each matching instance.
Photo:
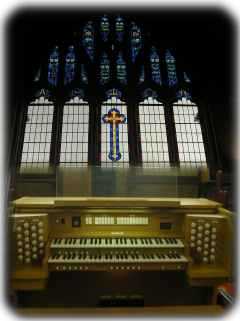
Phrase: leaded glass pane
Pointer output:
(38, 133)
(155, 66)
(136, 41)
(70, 65)
(119, 27)
(189, 134)
(171, 69)
(75, 126)
(153, 133)
(88, 39)
(121, 69)
(53, 67)
(104, 69)
(104, 28)
(114, 132)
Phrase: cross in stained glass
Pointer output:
(114, 118)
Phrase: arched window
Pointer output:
(38, 133)
(190, 144)
(114, 131)
(154, 141)
(75, 128)
(150, 131)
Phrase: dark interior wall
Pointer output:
(203, 39)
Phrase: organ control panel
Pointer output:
(119, 234)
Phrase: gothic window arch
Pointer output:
(122, 129)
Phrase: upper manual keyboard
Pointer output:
(123, 242)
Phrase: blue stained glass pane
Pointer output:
(84, 77)
(104, 28)
(171, 69)
(88, 39)
(119, 27)
(155, 66)
(70, 64)
(136, 41)
(104, 69)
(53, 67)
(121, 69)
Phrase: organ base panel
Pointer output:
(56, 236)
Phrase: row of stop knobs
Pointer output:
(29, 241)
(203, 241)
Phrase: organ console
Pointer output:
(95, 234)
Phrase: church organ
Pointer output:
(74, 234)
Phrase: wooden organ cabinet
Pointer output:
(91, 252)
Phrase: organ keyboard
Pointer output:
(119, 234)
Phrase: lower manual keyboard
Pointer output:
(105, 262)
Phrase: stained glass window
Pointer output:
(104, 28)
(104, 69)
(153, 133)
(83, 73)
(75, 126)
(155, 66)
(70, 64)
(189, 134)
(53, 67)
(171, 69)
(114, 131)
(121, 69)
(88, 39)
(119, 27)
(136, 41)
(38, 133)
